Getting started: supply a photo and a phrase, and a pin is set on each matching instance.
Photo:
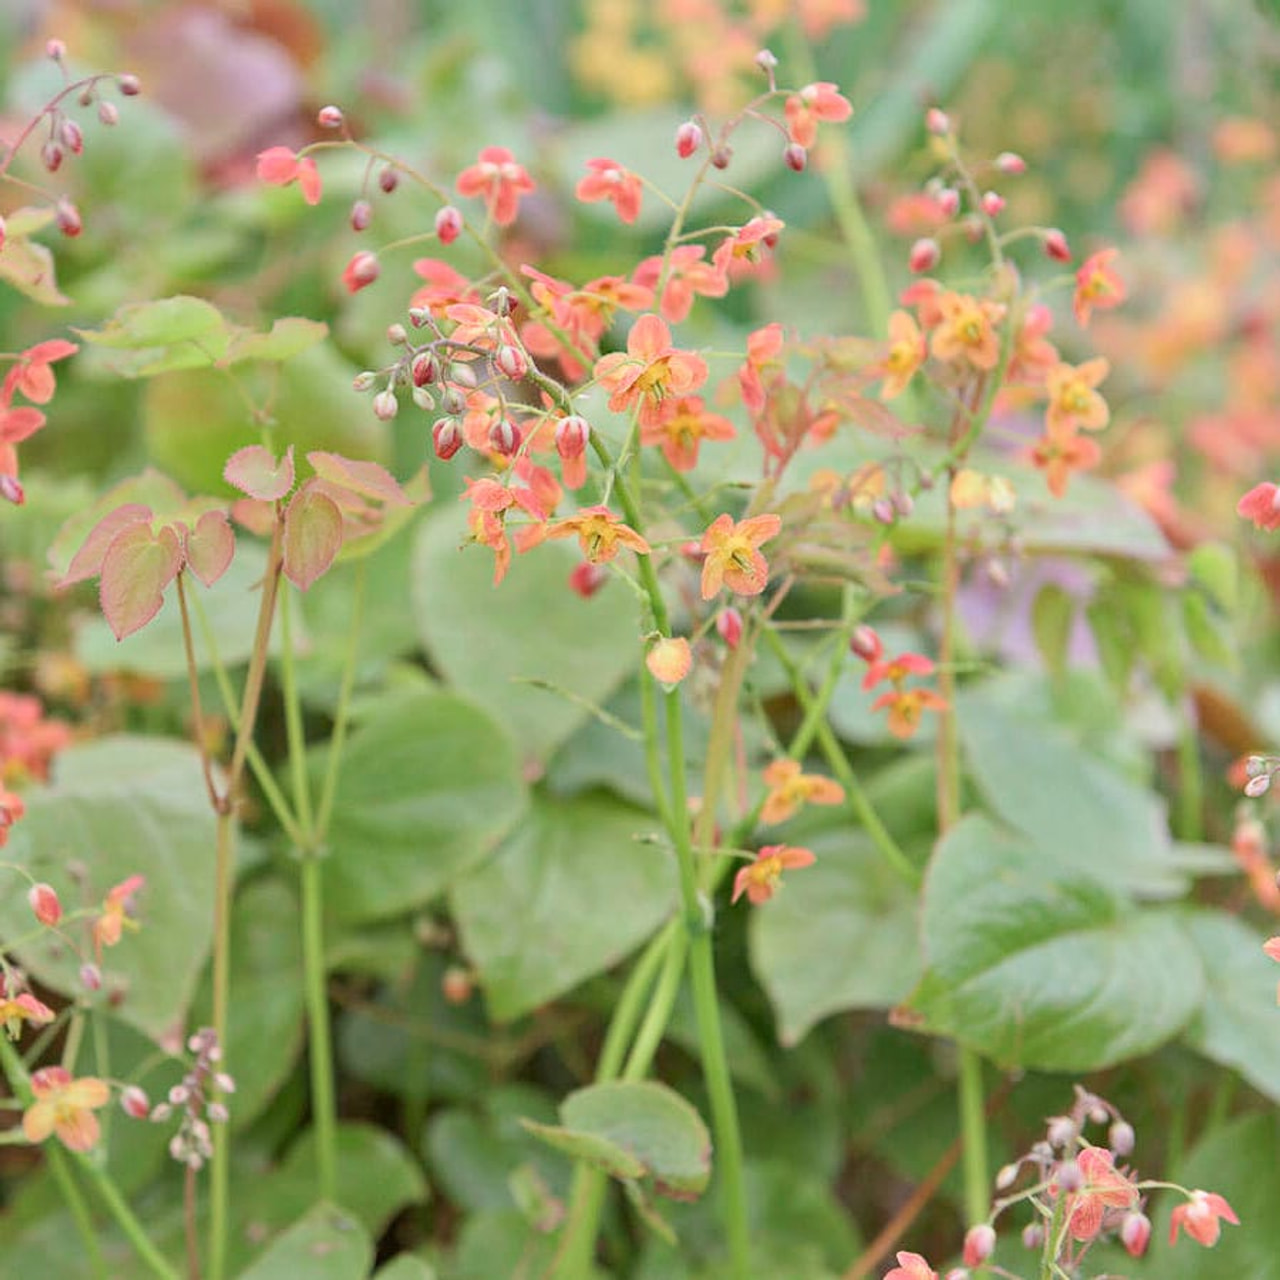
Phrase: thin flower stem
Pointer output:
(654, 1026)
(299, 782)
(342, 712)
(320, 1039)
(189, 1223)
(193, 683)
(125, 1220)
(62, 1175)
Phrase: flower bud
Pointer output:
(425, 369)
(129, 85)
(361, 215)
(135, 1102)
(688, 139)
(796, 157)
(108, 113)
(1069, 1176)
(937, 122)
(924, 256)
(1033, 1236)
(1055, 245)
(587, 578)
(882, 510)
(669, 661)
(329, 117)
(385, 405)
(363, 382)
(396, 335)
(1007, 1176)
(418, 316)
(979, 1244)
(572, 434)
(729, 625)
(1121, 1138)
(1254, 788)
(721, 156)
(866, 644)
(511, 361)
(51, 156)
(463, 374)
(448, 224)
(767, 60)
(43, 899)
(949, 201)
(1061, 1131)
(505, 437)
(389, 179)
(361, 271)
(71, 136)
(446, 438)
(1010, 162)
(992, 203)
(90, 977)
(55, 49)
(1135, 1232)
(903, 503)
(223, 1081)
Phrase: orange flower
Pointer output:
(1200, 1216)
(745, 248)
(670, 660)
(687, 275)
(108, 927)
(1097, 286)
(30, 373)
(1033, 354)
(499, 181)
(1059, 456)
(906, 706)
(820, 101)
(65, 1107)
(789, 789)
(907, 352)
(279, 167)
(15, 1010)
(610, 181)
(684, 423)
(650, 370)
(911, 1266)
(897, 669)
(965, 330)
(764, 346)
(761, 879)
(601, 535)
(1073, 402)
(732, 557)
(1105, 1187)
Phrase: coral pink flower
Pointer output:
(650, 370)
(907, 352)
(601, 534)
(965, 330)
(1059, 455)
(1261, 505)
(815, 102)
(688, 274)
(1201, 1216)
(15, 1010)
(684, 423)
(499, 181)
(763, 348)
(31, 375)
(1105, 1187)
(670, 660)
(16, 425)
(906, 707)
(897, 669)
(108, 927)
(1098, 287)
(761, 879)
(746, 247)
(444, 287)
(732, 554)
(65, 1107)
(911, 1266)
(608, 180)
(1073, 402)
(1033, 354)
(789, 789)
(43, 901)
(279, 167)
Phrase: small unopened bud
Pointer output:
(51, 156)
(361, 271)
(161, 1112)
(134, 1102)
(1135, 1232)
(217, 1113)
(1255, 787)
(361, 215)
(1068, 1176)
(463, 374)
(937, 122)
(55, 49)
(949, 201)
(418, 316)
(721, 156)
(1056, 246)
(688, 139)
(456, 984)
(924, 256)
(329, 117)
(729, 625)
(91, 977)
(389, 179)
(424, 370)
(129, 85)
(511, 361)
(43, 899)
(365, 381)
(903, 503)
(396, 334)
(501, 301)
(1007, 1176)
(796, 157)
(1061, 1131)
(865, 643)
(1010, 162)
(422, 397)
(979, 1244)
(992, 203)
(587, 578)
(12, 491)
(1033, 1236)
(446, 438)
(223, 1081)
(767, 60)
(882, 509)
(453, 400)
(178, 1095)
(448, 224)
(71, 136)
(669, 661)
(1121, 1138)
(385, 405)
(108, 113)
(505, 437)
(572, 434)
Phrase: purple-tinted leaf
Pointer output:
(367, 478)
(210, 546)
(254, 471)
(312, 536)
(87, 562)
(138, 566)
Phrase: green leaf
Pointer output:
(406, 1267)
(286, 338)
(484, 640)
(427, 789)
(122, 806)
(841, 935)
(166, 334)
(1052, 617)
(569, 894)
(1213, 567)
(502, 1242)
(29, 267)
(1208, 636)
(633, 1130)
(325, 1245)
(1039, 964)
(1082, 814)
(1238, 1024)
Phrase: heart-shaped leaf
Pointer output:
(256, 471)
(366, 478)
(138, 566)
(210, 546)
(312, 536)
(87, 562)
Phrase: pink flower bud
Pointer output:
(90, 977)
(365, 381)
(422, 397)
(866, 644)
(1135, 1232)
(1033, 1236)
(329, 117)
(55, 49)
(448, 224)
(796, 157)
(688, 139)
(882, 510)
(721, 156)
(51, 156)
(71, 136)
(1070, 1177)
(385, 405)
(505, 437)
(587, 578)
(1121, 1138)
(1010, 162)
(924, 256)
(457, 984)
(572, 435)
(511, 361)
(452, 400)
(389, 180)
(669, 661)
(396, 335)
(1055, 245)
(135, 1102)
(129, 85)
(937, 122)
(1062, 1131)
(446, 438)
(108, 113)
(12, 491)
(949, 201)
(992, 203)
(1254, 788)
(43, 899)
(424, 369)
(361, 215)
(767, 60)
(979, 1244)
(361, 271)
(68, 218)
(1007, 1176)
(729, 625)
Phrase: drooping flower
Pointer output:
(65, 1107)
(745, 248)
(815, 102)
(649, 370)
(499, 181)
(732, 554)
(761, 879)
(608, 180)
(688, 275)
(1073, 402)
(789, 789)
(1033, 354)
(1261, 505)
(684, 423)
(278, 166)
(31, 374)
(911, 1266)
(24, 1007)
(1059, 455)
(1201, 1217)
(965, 331)
(764, 346)
(907, 352)
(669, 661)
(1104, 1187)
(601, 534)
(896, 669)
(1098, 287)
(109, 926)
(906, 707)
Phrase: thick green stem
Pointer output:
(973, 1127)
(323, 1103)
(658, 1014)
(219, 1166)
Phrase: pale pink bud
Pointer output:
(389, 180)
(511, 361)
(866, 644)
(361, 271)
(688, 139)
(1007, 1176)
(361, 215)
(457, 984)
(979, 1244)
(90, 977)
(1010, 162)
(924, 256)
(505, 437)
(1055, 245)
(129, 85)
(448, 224)
(422, 397)
(937, 122)
(71, 136)
(446, 438)
(949, 201)
(767, 60)
(385, 405)
(43, 899)
(796, 157)
(12, 491)
(108, 113)
(1135, 1232)
(1062, 1131)
(135, 1102)
(55, 49)
(587, 578)
(453, 400)
(1069, 1176)
(572, 434)
(1254, 788)
(1121, 1138)
(1033, 1236)
(51, 156)
(992, 203)
(882, 511)
(396, 335)
(329, 117)
(729, 625)
(68, 218)
(363, 382)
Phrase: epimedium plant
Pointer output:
(869, 474)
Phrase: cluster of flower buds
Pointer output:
(192, 1144)
(1260, 772)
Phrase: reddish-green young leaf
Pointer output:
(312, 536)
(254, 471)
(210, 546)
(138, 566)
(87, 562)
(367, 478)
